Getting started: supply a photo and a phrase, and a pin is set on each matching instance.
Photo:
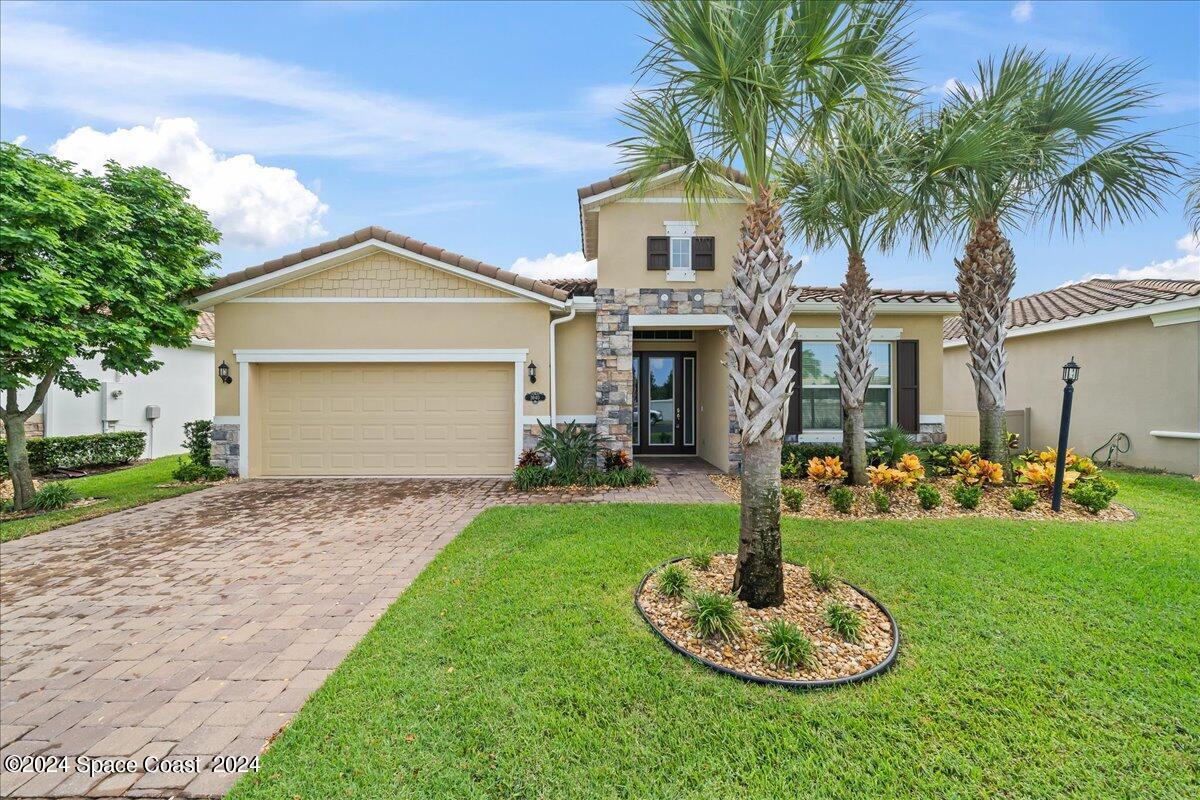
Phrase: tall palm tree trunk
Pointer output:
(854, 363)
(985, 279)
(760, 346)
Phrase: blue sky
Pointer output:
(470, 125)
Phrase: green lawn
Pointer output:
(123, 488)
(1039, 660)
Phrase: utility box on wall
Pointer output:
(113, 407)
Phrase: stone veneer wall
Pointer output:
(225, 446)
(614, 355)
(931, 433)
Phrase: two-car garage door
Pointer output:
(383, 419)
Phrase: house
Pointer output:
(1138, 343)
(180, 391)
(377, 354)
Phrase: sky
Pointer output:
(470, 125)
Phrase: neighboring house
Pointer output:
(1138, 343)
(377, 354)
(181, 390)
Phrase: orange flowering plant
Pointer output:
(907, 473)
(1035, 468)
(826, 470)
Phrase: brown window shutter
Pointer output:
(658, 252)
(703, 252)
(793, 415)
(908, 393)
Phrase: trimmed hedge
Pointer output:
(68, 452)
(803, 451)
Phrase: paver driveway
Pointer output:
(197, 626)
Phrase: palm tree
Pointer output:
(851, 192)
(1031, 142)
(740, 84)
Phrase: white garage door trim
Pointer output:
(245, 358)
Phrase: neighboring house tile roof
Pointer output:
(1081, 299)
(815, 294)
(205, 328)
(398, 240)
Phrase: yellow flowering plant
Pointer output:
(826, 470)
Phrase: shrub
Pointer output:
(673, 581)
(49, 453)
(893, 441)
(641, 475)
(713, 614)
(928, 496)
(619, 478)
(881, 501)
(803, 451)
(784, 645)
(215, 473)
(526, 479)
(530, 458)
(966, 496)
(821, 575)
(702, 561)
(189, 471)
(789, 470)
(592, 477)
(843, 620)
(972, 470)
(197, 439)
(793, 498)
(1095, 495)
(937, 457)
(826, 470)
(1022, 499)
(570, 448)
(842, 499)
(54, 495)
(616, 459)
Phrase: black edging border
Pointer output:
(878, 669)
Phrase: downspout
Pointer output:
(554, 363)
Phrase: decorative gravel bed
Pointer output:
(835, 660)
(993, 505)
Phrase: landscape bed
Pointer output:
(834, 660)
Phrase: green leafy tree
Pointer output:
(738, 85)
(1031, 142)
(90, 266)
(849, 190)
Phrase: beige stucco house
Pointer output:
(377, 354)
(1138, 343)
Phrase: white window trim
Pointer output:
(329, 299)
(245, 358)
(679, 321)
(831, 334)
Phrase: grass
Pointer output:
(121, 489)
(516, 667)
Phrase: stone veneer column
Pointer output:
(614, 355)
(226, 447)
(931, 433)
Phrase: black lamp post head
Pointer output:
(1070, 372)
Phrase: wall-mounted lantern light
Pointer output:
(532, 372)
(223, 373)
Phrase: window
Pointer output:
(681, 252)
(662, 334)
(821, 401)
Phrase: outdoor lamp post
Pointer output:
(1070, 374)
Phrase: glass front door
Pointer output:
(664, 406)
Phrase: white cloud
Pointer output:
(608, 98)
(271, 108)
(1186, 267)
(251, 204)
(20, 139)
(568, 265)
(1022, 11)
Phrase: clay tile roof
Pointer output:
(816, 294)
(1081, 299)
(205, 328)
(626, 178)
(408, 243)
(575, 287)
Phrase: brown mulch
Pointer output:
(993, 505)
(804, 606)
(82, 502)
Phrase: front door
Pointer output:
(664, 403)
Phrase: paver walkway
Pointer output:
(197, 626)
